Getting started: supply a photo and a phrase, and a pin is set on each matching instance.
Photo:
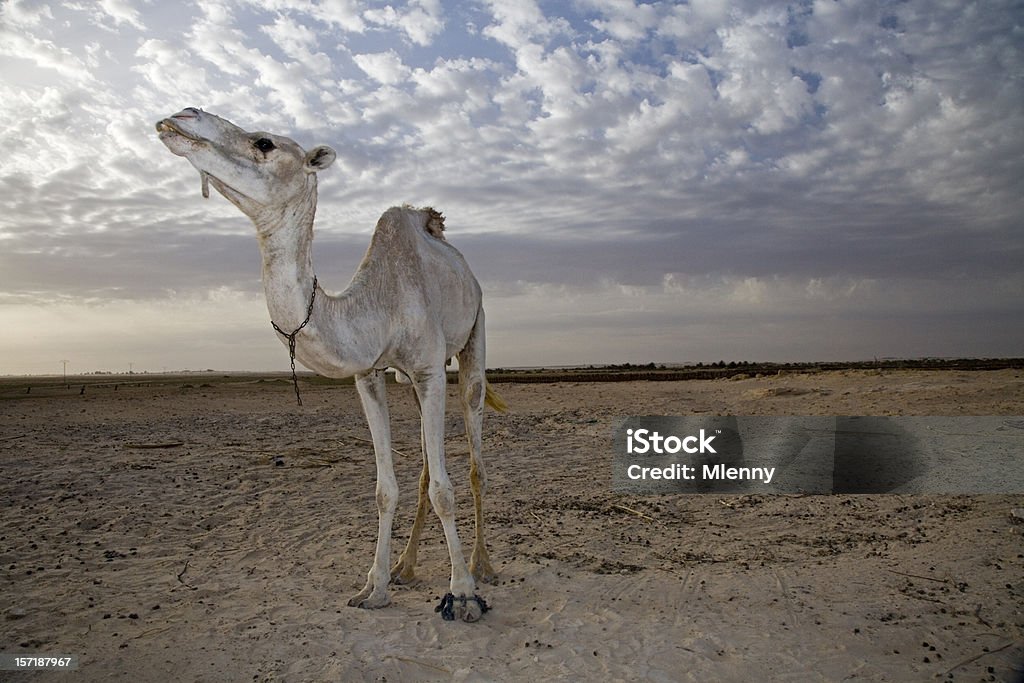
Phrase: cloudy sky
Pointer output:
(631, 181)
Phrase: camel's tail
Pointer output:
(492, 399)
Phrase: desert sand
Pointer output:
(199, 529)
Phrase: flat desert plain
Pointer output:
(209, 529)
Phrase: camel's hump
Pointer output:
(431, 219)
(435, 222)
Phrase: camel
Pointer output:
(412, 305)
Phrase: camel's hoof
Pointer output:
(462, 608)
(402, 574)
(371, 602)
(483, 573)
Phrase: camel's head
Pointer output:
(252, 170)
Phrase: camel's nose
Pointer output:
(188, 113)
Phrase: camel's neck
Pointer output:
(343, 337)
(286, 244)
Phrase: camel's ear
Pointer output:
(319, 158)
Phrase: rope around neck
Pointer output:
(291, 339)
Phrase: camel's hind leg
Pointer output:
(404, 570)
(472, 390)
(461, 602)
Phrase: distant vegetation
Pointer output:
(14, 387)
(721, 369)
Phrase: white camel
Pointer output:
(412, 305)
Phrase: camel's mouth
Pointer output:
(168, 128)
(171, 134)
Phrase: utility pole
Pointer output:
(65, 362)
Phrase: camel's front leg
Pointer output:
(375, 406)
(462, 602)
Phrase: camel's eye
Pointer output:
(264, 145)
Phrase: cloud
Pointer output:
(344, 14)
(170, 70)
(624, 20)
(384, 67)
(517, 24)
(760, 87)
(612, 169)
(44, 54)
(18, 13)
(422, 21)
(122, 12)
(295, 40)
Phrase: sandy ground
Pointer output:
(231, 556)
